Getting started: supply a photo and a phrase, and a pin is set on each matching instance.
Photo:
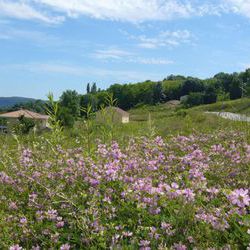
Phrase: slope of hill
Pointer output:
(241, 106)
(11, 101)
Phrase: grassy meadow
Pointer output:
(172, 178)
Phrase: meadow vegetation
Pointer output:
(172, 178)
(240, 106)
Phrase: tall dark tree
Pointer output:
(88, 88)
(93, 88)
(235, 90)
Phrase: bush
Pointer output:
(24, 125)
(181, 112)
(194, 99)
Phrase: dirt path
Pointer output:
(231, 116)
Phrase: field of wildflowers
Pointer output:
(184, 192)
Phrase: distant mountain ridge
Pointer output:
(6, 102)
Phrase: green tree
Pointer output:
(123, 94)
(88, 99)
(245, 85)
(191, 85)
(158, 93)
(71, 101)
(25, 125)
(93, 88)
(210, 95)
(194, 99)
(235, 88)
(224, 81)
(65, 117)
(175, 77)
(88, 88)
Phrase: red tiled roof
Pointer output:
(119, 110)
(26, 113)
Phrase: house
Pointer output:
(113, 114)
(40, 120)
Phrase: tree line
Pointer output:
(190, 90)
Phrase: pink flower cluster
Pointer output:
(181, 193)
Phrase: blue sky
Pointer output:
(54, 45)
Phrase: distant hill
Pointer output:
(6, 102)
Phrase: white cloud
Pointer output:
(135, 11)
(120, 10)
(164, 39)
(111, 54)
(241, 7)
(151, 61)
(21, 10)
(128, 57)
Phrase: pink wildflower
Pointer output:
(239, 197)
(179, 246)
(15, 247)
(13, 206)
(65, 247)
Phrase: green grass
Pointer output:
(241, 106)
(168, 120)
(163, 120)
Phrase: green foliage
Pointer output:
(235, 88)
(38, 106)
(194, 99)
(3, 122)
(66, 117)
(181, 112)
(24, 125)
(175, 78)
(71, 101)
(158, 93)
(88, 88)
(210, 95)
(93, 88)
(89, 99)
(52, 109)
(222, 96)
(191, 85)
(222, 86)
(88, 124)
(195, 92)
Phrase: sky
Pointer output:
(55, 45)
